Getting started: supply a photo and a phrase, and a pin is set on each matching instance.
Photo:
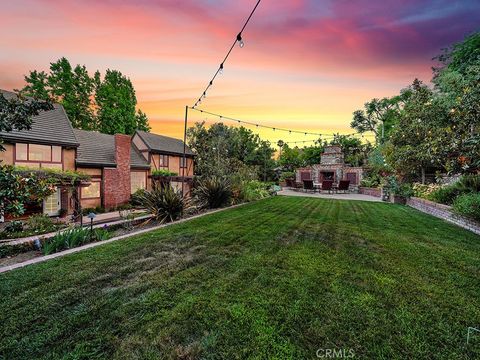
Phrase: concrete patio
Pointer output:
(347, 196)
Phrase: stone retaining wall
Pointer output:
(377, 192)
(443, 212)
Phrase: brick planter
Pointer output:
(443, 212)
(377, 192)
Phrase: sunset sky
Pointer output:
(306, 64)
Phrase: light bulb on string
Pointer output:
(241, 43)
(220, 71)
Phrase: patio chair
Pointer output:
(290, 183)
(308, 185)
(327, 185)
(343, 185)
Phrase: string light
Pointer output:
(290, 131)
(241, 44)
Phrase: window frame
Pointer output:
(183, 166)
(145, 174)
(28, 160)
(99, 190)
(161, 162)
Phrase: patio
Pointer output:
(337, 196)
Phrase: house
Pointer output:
(332, 167)
(118, 164)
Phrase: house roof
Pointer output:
(50, 127)
(97, 149)
(164, 144)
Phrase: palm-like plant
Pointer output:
(164, 203)
(213, 192)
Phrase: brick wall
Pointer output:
(377, 192)
(116, 186)
(443, 212)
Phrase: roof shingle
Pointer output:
(164, 144)
(49, 127)
(97, 149)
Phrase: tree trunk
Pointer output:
(423, 175)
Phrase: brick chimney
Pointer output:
(117, 180)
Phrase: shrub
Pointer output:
(165, 204)
(213, 192)
(14, 227)
(40, 223)
(446, 194)
(468, 205)
(163, 172)
(136, 196)
(287, 175)
(469, 182)
(254, 190)
(424, 190)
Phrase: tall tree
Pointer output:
(116, 101)
(419, 142)
(113, 109)
(71, 87)
(142, 121)
(225, 150)
(379, 116)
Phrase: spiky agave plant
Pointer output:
(213, 192)
(164, 203)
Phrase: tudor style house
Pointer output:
(118, 164)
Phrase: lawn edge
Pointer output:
(41, 259)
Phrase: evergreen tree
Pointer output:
(142, 121)
(116, 101)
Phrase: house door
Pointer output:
(51, 205)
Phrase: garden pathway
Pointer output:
(349, 196)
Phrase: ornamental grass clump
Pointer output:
(213, 192)
(164, 203)
(72, 238)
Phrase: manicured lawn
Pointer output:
(279, 278)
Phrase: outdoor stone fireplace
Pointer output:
(332, 167)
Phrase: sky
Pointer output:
(306, 64)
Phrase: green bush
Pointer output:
(163, 172)
(40, 223)
(254, 190)
(446, 195)
(136, 196)
(287, 175)
(165, 204)
(213, 192)
(469, 183)
(468, 205)
(14, 226)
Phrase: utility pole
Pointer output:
(184, 151)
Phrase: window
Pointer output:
(39, 152)
(21, 152)
(183, 162)
(91, 191)
(34, 155)
(163, 161)
(138, 180)
(56, 154)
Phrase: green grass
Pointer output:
(279, 278)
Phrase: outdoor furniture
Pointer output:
(290, 183)
(308, 185)
(343, 185)
(327, 185)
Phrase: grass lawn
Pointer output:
(279, 278)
